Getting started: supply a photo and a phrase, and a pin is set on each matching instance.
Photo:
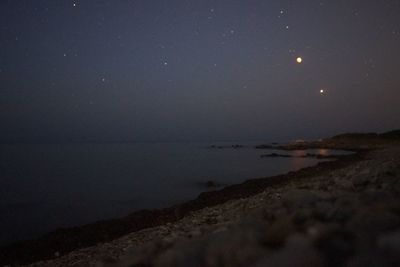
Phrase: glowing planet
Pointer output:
(299, 60)
(322, 91)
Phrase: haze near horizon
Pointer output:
(197, 70)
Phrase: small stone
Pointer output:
(194, 233)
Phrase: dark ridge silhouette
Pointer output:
(395, 134)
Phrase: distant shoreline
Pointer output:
(62, 241)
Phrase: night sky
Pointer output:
(140, 70)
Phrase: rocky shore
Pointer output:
(339, 213)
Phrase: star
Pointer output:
(299, 60)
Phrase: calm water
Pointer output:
(44, 187)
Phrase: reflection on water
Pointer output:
(300, 160)
(323, 152)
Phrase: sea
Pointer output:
(44, 187)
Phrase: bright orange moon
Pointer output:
(299, 60)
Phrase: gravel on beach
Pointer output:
(347, 217)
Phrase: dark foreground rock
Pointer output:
(212, 184)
